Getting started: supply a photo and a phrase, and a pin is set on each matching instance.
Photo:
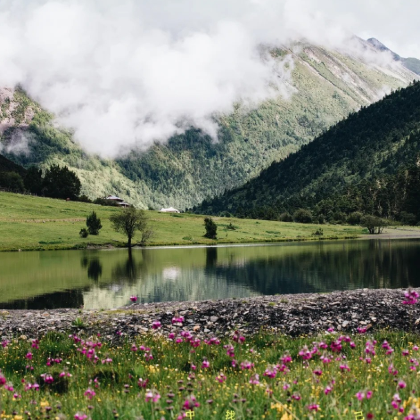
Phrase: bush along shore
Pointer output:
(339, 355)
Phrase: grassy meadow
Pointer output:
(266, 376)
(36, 223)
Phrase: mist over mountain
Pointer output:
(323, 85)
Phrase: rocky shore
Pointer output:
(293, 315)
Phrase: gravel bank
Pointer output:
(288, 314)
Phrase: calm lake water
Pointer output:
(107, 278)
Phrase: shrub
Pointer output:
(211, 228)
(373, 224)
(302, 216)
(84, 233)
(93, 224)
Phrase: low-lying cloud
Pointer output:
(126, 74)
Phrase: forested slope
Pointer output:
(371, 144)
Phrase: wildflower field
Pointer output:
(178, 376)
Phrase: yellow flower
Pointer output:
(286, 416)
(45, 403)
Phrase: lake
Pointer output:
(107, 278)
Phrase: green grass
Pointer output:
(35, 223)
(170, 374)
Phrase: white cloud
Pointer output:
(125, 74)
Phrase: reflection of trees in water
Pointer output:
(65, 299)
(211, 257)
(94, 266)
(130, 270)
(373, 264)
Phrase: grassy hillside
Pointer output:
(381, 139)
(324, 88)
(30, 223)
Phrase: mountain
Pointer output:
(7, 165)
(370, 145)
(325, 86)
(410, 63)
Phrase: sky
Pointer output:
(125, 74)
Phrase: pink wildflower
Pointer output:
(133, 298)
(80, 416)
(142, 383)
(328, 389)
(318, 372)
(221, 377)
(401, 384)
(2, 380)
(107, 360)
(314, 407)
(47, 378)
(361, 330)
(369, 394)
(255, 379)
(405, 352)
(286, 386)
(344, 367)
(352, 345)
(296, 397)
(411, 297)
(89, 393)
(391, 370)
(152, 395)
(4, 343)
(193, 366)
(360, 395)
(415, 348)
(156, 325)
(270, 372)
(331, 329)
(190, 403)
(29, 356)
(35, 344)
(286, 358)
(247, 365)
(305, 353)
(171, 336)
(177, 320)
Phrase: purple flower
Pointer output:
(318, 372)
(156, 325)
(401, 384)
(247, 365)
(2, 380)
(133, 298)
(142, 383)
(177, 320)
(361, 330)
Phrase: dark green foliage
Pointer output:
(318, 232)
(11, 181)
(211, 228)
(302, 216)
(128, 221)
(286, 217)
(93, 224)
(365, 164)
(7, 165)
(230, 226)
(84, 233)
(407, 218)
(33, 180)
(354, 218)
(61, 183)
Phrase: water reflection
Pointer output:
(106, 279)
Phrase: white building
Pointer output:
(169, 210)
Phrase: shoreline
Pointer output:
(292, 315)
(388, 234)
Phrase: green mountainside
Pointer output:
(325, 87)
(363, 151)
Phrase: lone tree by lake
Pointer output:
(128, 221)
